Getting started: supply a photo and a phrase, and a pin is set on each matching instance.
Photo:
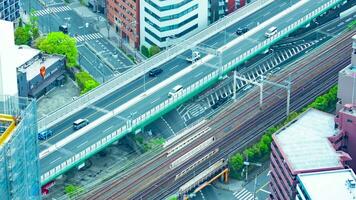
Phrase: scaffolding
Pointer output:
(19, 161)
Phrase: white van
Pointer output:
(80, 123)
(175, 90)
(271, 31)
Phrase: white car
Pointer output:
(271, 31)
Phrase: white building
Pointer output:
(8, 60)
(335, 184)
(171, 18)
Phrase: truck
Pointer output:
(195, 56)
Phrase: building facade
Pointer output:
(124, 16)
(303, 146)
(8, 80)
(347, 81)
(19, 160)
(160, 20)
(9, 10)
(31, 83)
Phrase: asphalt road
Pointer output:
(65, 128)
(62, 14)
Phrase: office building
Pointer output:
(302, 146)
(31, 83)
(160, 20)
(19, 160)
(336, 184)
(124, 17)
(347, 81)
(8, 79)
(96, 5)
(9, 10)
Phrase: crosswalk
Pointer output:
(243, 195)
(91, 36)
(51, 10)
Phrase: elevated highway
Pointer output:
(130, 108)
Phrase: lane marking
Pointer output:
(86, 141)
(197, 75)
(155, 100)
(107, 129)
(175, 66)
(55, 160)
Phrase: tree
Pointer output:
(237, 162)
(34, 25)
(145, 51)
(154, 50)
(72, 190)
(22, 36)
(60, 43)
(85, 81)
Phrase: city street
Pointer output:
(97, 55)
(237, 190)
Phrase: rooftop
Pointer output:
(349, 71)
(336, 184)
(349, 109)
(303, 140)
(32, 68)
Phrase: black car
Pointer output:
(63, 28)
(242, 30)
(155, 71)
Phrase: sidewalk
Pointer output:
(102, 27)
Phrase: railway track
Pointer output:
(115, 191)
(271, 116)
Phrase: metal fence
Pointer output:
(143, 67)
(169, 103)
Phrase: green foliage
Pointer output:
(154, 50)
(173, 198)
(34, 25)
(72, 190)
(352, 25)
(85, 82)
(131, 58)
(145, 51)
(262, 148)
(22, 35)
(153, 143)
(60, 43)
(326, 102)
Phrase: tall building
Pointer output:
(124, 17)
(217, 9)
(19, 160)
(336, 184)
(8, 80)
(303, 146)
(171, 19)
(9, 10)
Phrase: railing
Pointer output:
(139, 70)
(186, 94)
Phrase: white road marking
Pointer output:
(55, 160)
(265, 191)
(175, 66)
(196, 76)
(267, 13)
(107, 129)
(82, 144)
(155, 100)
